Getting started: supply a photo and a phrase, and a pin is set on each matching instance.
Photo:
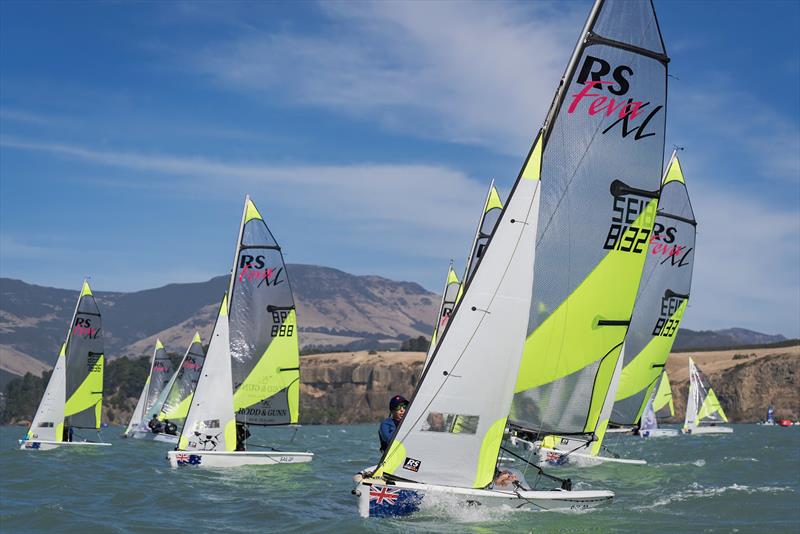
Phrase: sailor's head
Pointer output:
(398, 406)
(155, 416)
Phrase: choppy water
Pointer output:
(748, 481)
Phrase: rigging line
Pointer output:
(477, 327)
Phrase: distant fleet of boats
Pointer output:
(556, 334)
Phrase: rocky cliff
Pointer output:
(746, 382)
(355, 387)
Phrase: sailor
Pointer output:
(155, 425)
(170, 428)
(397, 407)
(242, 433)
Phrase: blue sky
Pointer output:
(367, 134)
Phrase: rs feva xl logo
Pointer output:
(253, 268)
(591, 98)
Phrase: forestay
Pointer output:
(452, 431)
(602, 160)
(662, 298)
(179, 397)
(48, 423)
(84, 364)
(263, 328)
(210, 424)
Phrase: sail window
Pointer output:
(452, 423)
(46, 424)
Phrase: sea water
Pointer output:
(748, 481)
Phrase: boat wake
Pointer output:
(697, 491)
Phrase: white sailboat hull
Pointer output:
(619, 431)
(379, 499)
(555, 457)
(708, 430)
(659, 433)
(235, 458)
(45, 445)
(150, 436)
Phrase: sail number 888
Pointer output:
(279, 329)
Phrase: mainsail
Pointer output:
(263, 328)
(662, 298)
(662, 399)
(492, 209)
(48, 423)
(450, 294)
(210, 423)
(702, 405)
(160, 375)
(179, 396)
(84, 364)
(454, 288)
(602, 159)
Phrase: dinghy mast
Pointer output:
(662, 298)
(601, 170)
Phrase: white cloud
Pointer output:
(747, 268)
(437, 70)
(412, 211)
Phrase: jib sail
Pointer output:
(48, 423)
(210, 424)
(662, 400)
(452, 288)
(452, 431)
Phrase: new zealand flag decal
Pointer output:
(385, 501)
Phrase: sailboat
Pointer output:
(546, 310)
(178, 395)
(599, 212)
(73, 399)
(662, 299)
(251, 372)
(160, 376)
(453, 287)
(703, 406)
(660, 402)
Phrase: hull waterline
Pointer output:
(235, 458)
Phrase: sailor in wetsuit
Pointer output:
(397, 407)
